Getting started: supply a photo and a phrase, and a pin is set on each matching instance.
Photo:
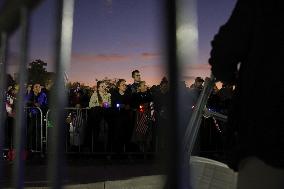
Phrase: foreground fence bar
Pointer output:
(3, 42)
(172, 155)
(63, 53)
(20, 115)
(187, 53)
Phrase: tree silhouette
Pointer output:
(37, 72)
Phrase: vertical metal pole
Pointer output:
(63, 53)
(181, 46)
(173, 72)
(20, 115)
(187, 53)
(2, 96)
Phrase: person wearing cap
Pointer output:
(198, 83)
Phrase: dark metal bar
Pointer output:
(216, 115)
(63, 56)
(10, 13)
(194, 124)
(20, 114)
(187, 53)
(3, 50)
(172, 154)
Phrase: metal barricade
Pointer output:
(211, 135)
(195, 120)
(200, 110)
(77, 124)
(76, 119)
(209, 113)
(34, 115)
(34, 128)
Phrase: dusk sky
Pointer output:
(113, 37)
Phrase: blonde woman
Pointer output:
(99, 120)
(100, 98)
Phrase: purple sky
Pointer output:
(111, 38)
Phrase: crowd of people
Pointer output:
(119, 116)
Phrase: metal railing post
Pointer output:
(187, 53)
(58, 102)
(173, 71)
(20, 116)
(41, 129)
(46, 129)
(3, 48)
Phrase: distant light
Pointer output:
(141, 108)
(105, 105)
(117, 105)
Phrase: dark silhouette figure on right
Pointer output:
(248, 52)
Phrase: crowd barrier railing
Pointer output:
(74, 134)
(33, 130)
(76, 118)
(34, 115)
(38, 125)
(76, 122)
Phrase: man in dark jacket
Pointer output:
(248, 51)
(131, 89)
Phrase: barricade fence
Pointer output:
(106, 130)
(34, 131)
(109, 130)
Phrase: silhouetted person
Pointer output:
(121, 130)
(36, 99)
(198, 83)
(131, 89)
(248, 52)
(10, 103)
(225, 94)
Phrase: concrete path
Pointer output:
(205, 174)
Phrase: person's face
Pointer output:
(164, 88)
(199, 83)
(137, 77)
(122, 86)
(102, 87)
(37, 88)
(215, 89)
(48, 84)
(143, 87)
